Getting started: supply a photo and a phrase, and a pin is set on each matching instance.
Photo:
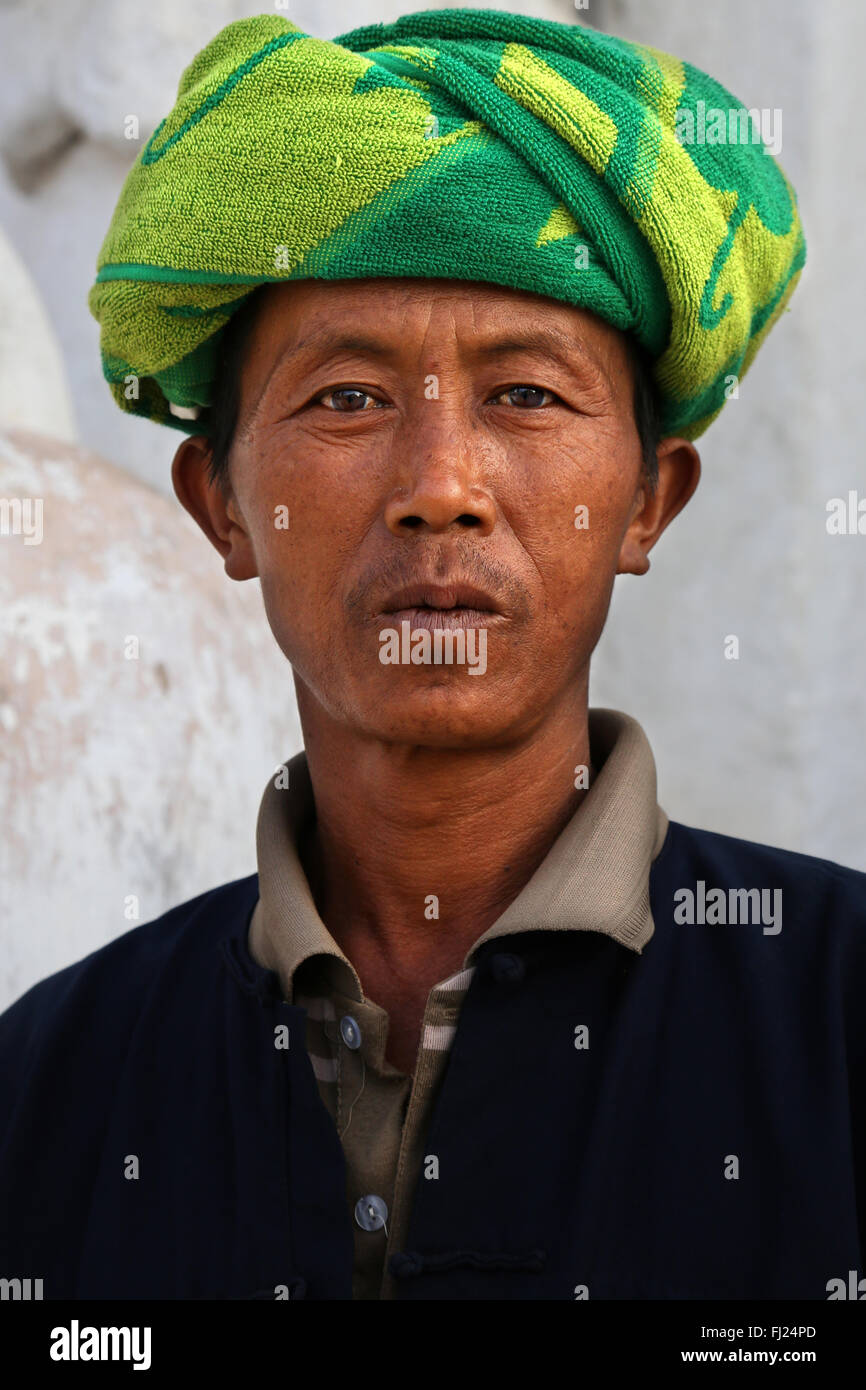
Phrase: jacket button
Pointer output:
(404, 1264)
(350, 1032)
(507, 969)
(371, 1212)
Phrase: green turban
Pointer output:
(453, 144)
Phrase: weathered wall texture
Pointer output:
(143, 705)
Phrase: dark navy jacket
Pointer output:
(609, 1169)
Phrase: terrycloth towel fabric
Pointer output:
(456, 144)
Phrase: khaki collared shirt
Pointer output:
(594, 878)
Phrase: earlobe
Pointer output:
(212, 509)
(633, 559)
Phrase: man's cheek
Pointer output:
(297, 590)
(584, 548)
(589, 573)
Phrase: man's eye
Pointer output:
(529, 396)
(347, 399)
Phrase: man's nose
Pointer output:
(440, 488)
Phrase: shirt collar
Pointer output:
(595, 876)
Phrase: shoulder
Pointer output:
(115, 983)
(688, 845)
(804, 890)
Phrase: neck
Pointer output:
(416, 851)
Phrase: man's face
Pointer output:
(474, 444)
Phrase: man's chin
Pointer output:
(443, 713)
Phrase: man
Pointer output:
(441, 308)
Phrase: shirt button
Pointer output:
(350, 1032)
(371, 1213)
(507, 969)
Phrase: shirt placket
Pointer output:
(369, 1108)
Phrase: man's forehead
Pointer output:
(384, 317)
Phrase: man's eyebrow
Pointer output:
(542, 342)
(327, 342)
(331, 342)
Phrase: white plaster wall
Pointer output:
(33, 387)
(111, 784)
(121, 775)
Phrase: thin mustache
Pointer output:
(479, 572)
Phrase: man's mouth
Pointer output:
(441, 606)
(442, 617)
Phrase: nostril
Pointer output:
(466, 520)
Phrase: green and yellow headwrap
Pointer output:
(457, 144)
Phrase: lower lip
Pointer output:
(441, 618)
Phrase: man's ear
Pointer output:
(213, 507)
(679, 472)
